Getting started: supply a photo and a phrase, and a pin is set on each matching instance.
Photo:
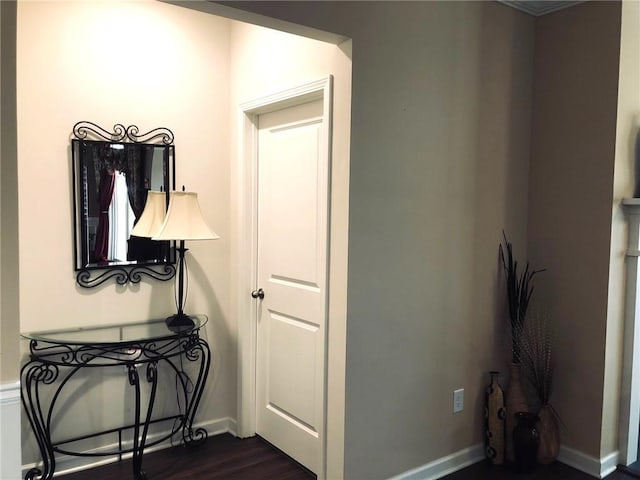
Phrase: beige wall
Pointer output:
(571, 189)
(144, 63)
(439, 159)
(191, 94)
(9, 275)
(170, 70)
(264, 62)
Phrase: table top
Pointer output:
(145, 331)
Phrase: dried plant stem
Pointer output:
(519, 292)
(536, 348)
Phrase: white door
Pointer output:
(292, 272)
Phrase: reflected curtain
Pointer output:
(105, 194)
(134, 174)
(137, 157)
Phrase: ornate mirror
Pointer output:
(112, 175)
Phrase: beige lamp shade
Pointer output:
(184, 220)
(152, 216)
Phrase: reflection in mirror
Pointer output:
(113, 173)
(114, 179)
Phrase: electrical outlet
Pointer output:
(458, 400)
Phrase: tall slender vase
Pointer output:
(515, 401)
(494, 417)
(549, 435)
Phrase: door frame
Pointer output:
(247, 231)
(629, 418)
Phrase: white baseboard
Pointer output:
(445, 465)
(68, 464)
(10, 431)
(596, 467)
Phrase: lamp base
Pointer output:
(179, 322)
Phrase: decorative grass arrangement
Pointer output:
(536, 347)
(519, 290)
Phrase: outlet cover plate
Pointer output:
(458, 400)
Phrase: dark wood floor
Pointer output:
(225, 457)
(222, 457)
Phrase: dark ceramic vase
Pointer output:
(515, 401)
(525, 441)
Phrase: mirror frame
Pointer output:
(91, 275)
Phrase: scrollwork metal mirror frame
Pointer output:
(92, 275)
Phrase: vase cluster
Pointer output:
(513, 433)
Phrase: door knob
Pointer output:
(258, 294)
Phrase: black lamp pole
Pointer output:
(180, 320)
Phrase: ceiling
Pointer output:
(539, 7)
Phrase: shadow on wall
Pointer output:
(500, 190)
(216, 332)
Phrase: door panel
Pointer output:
(292, 337)
(289, 192)
(292, 270)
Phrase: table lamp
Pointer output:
(183, 221)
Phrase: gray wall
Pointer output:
(570, 203)
(9, 318)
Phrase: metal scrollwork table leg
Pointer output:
(196, 349)
(33, 375)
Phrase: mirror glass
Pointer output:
(111, 181)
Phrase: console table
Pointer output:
(137, 349)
